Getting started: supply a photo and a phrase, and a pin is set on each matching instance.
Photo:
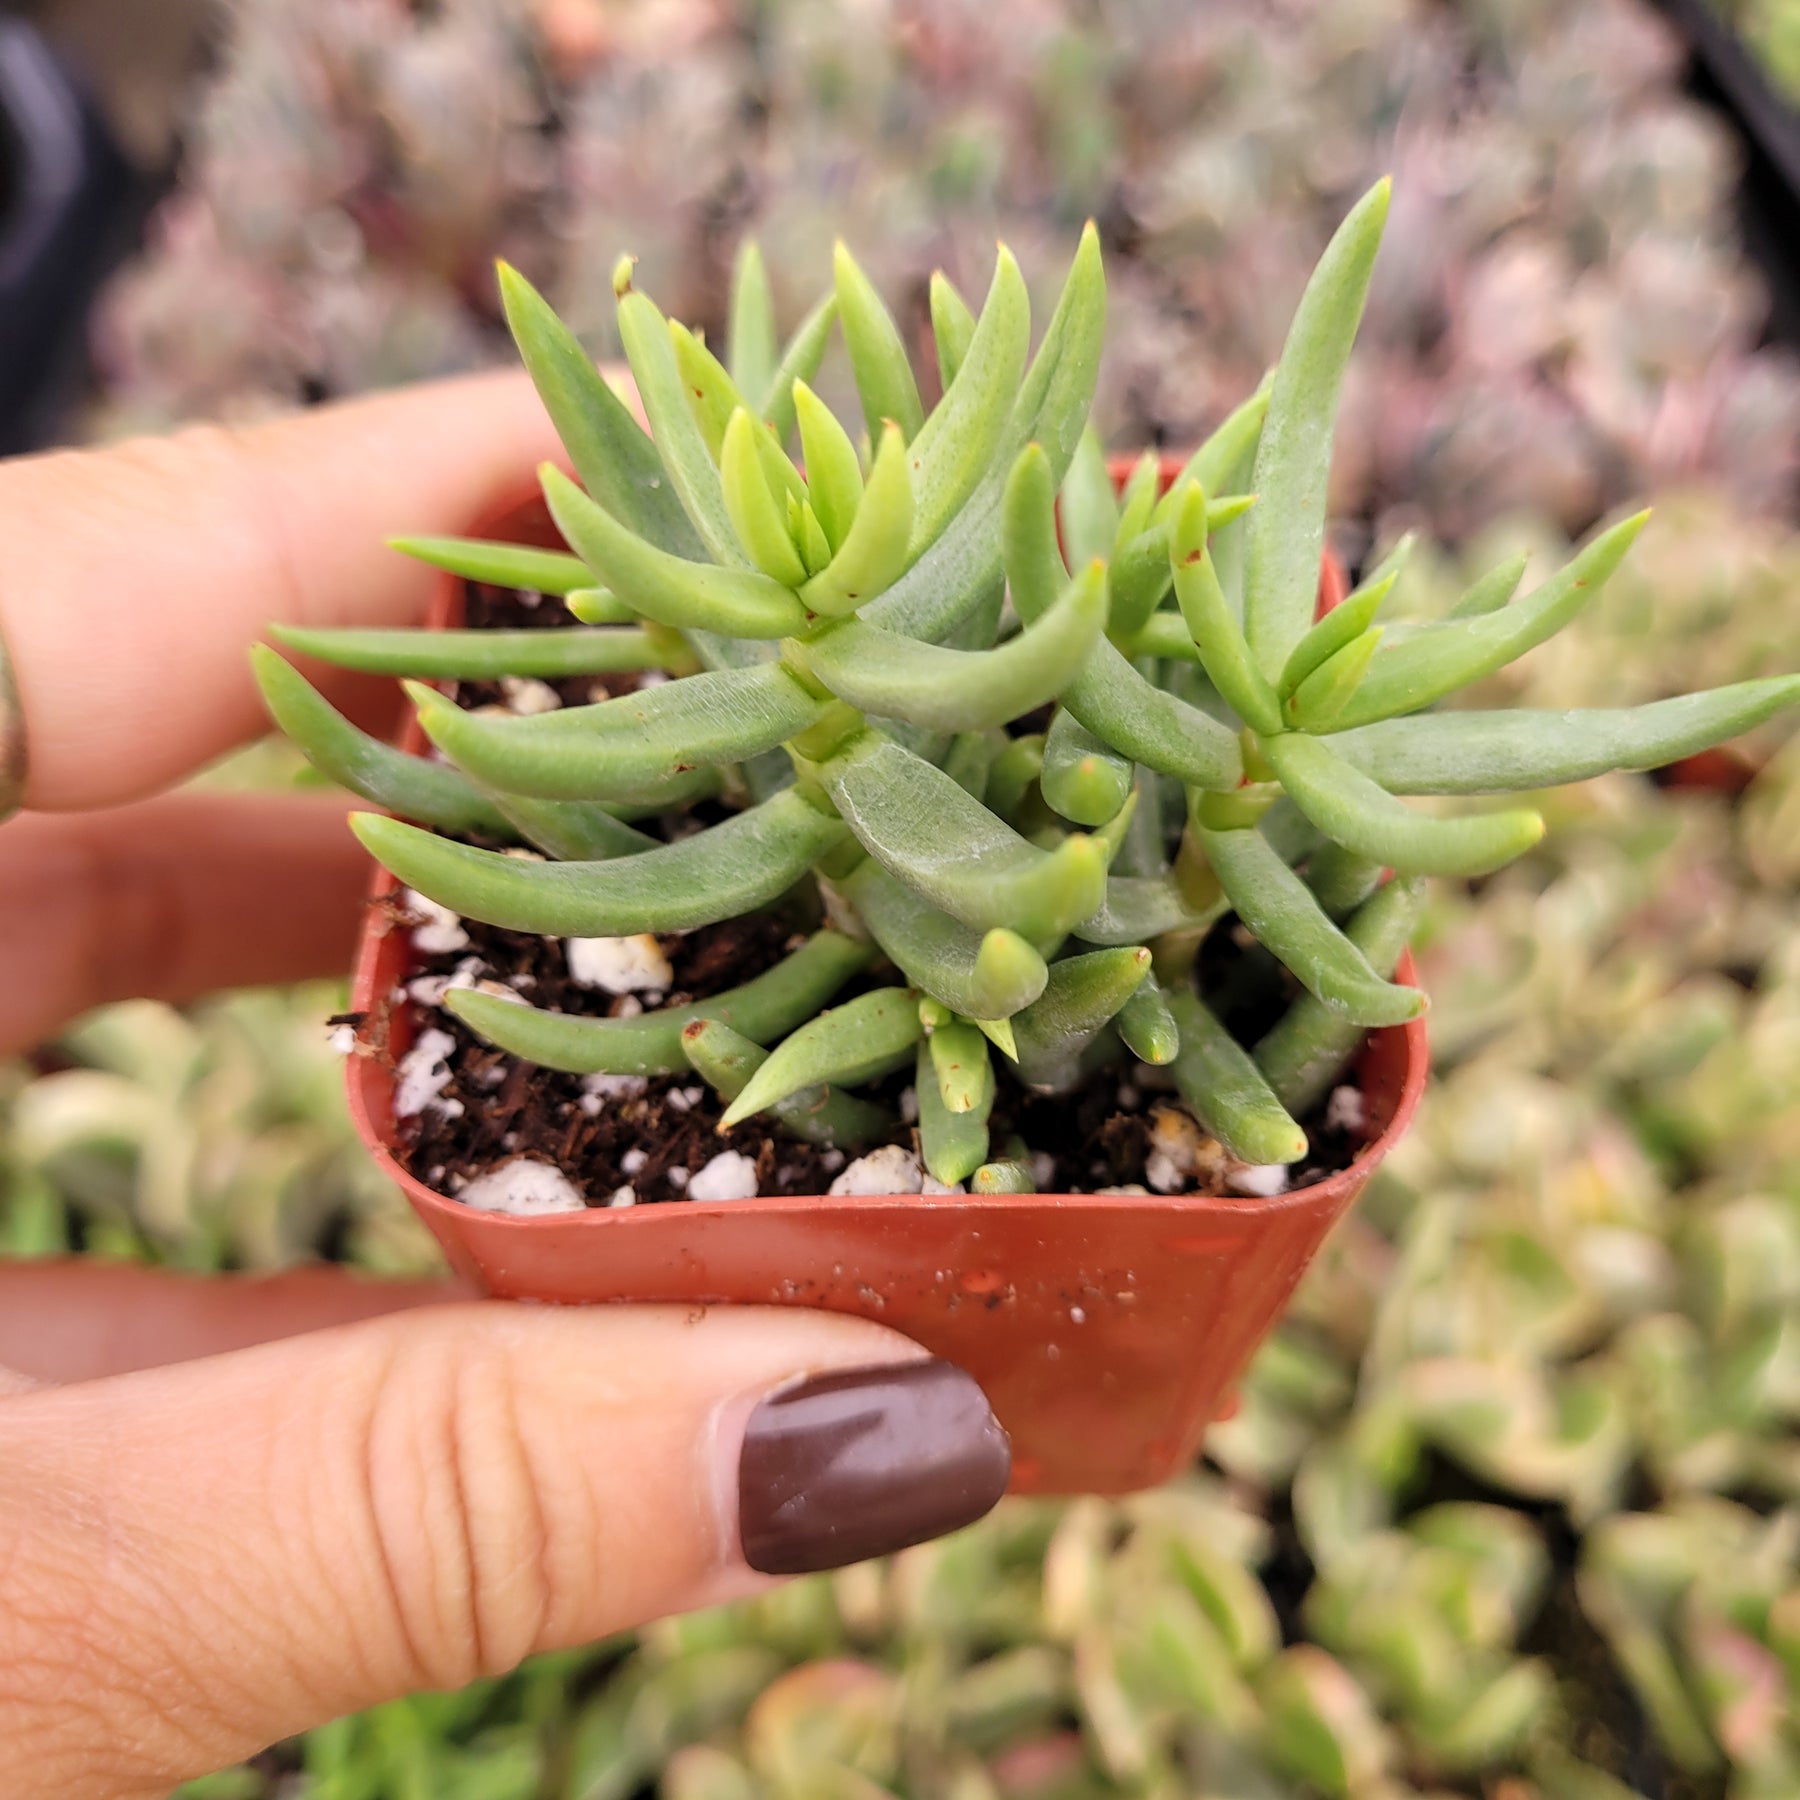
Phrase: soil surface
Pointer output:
(652, 1135)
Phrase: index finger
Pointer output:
(136, 576)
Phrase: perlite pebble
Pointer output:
(1345, 1111)
(1262, 1180)
(892, 1169)
(436, 929)
(598, 1090)
(619, 965)
(524, 1187)
(729, 1176)
(429, 990)
(423, 1074)
(526, 694)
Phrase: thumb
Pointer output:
(198, 1560)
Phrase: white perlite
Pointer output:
(526, 694)
(1263, 1180)
(1181, 1154)
(1345, 1111)
(729, 1176)
(597, 1090)
(930, 1184)
(342, 1038)
(893, 1169)
(633, 1162)
(622, 1197)
(423, 1074)
(429, 990)
(436, 929)
(524, 1187)
(621, 965)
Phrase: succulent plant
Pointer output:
(1172, 631)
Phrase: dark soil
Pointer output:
(1098, 1137)
(510, 1108)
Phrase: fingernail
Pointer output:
(862, 1462)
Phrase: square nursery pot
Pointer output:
(1106, 1330)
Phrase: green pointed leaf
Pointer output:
(952, 326)
(959, 690)
(987, 975)
(763, 1009)
(1084, 779)
(929, 834)
(859, 1041)
(1228, 1093)
(954, 448)
(1285, 918)
(756, 516)
(799, 362)
(1323, 698)
(617, 463)
(959, 571)
(1088, 508)
(1293, 458)
(1312, 1046)
(1224, 654)
(716, 874)
(701, 596)
(686, 454)
(1081, 998)
(884, 376)
(1523, 750)
(500, 564)
(952, 1144)
(479, 655)
(1339, 627)
(727, 1060)
(1437, 659)
(750, 336)
(833, 473)
(874, 551)
(620, 748)
(408, 785)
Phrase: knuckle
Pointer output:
(459, 1533)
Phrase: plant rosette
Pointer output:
(1052, 816)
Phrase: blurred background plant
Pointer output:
(1562, 316)
(1771, 28)
(1509, 1506)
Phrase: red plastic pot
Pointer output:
(1107, 1331)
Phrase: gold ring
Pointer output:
(12, 740)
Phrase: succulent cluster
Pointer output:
(841, 671)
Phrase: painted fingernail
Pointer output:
(862, 1462)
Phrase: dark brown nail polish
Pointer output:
(862, 1462)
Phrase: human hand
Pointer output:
(229, 1511)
